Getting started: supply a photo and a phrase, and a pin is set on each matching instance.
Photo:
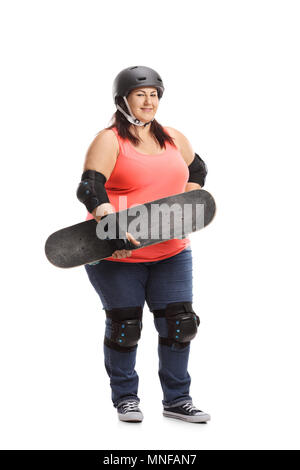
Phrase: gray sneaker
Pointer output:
(130, 412)
(186, 412)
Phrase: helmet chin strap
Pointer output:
(131, 118)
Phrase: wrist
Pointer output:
(104, 209)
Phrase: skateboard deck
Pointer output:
(150, 223)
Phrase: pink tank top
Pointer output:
(143, 178)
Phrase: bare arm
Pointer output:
(102, 156)
(188, 155)
(191, 187)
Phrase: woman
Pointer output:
(138, 158)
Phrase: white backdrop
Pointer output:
(231, 72)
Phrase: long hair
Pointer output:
(119, 121)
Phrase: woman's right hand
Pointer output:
(119, 254)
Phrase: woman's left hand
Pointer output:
(119, 254)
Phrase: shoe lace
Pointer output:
(189, 407)
(130, 406)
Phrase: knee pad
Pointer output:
(126, 327)
(182, 323)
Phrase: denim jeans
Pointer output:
(121, 284)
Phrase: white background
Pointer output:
(231, 73)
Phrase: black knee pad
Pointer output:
(126, 324)
(182, 323)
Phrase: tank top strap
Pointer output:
(122, 142)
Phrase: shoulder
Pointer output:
(105, 141)
(183, 144)
(102, 153)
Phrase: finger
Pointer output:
(121, 254)
(132, 239)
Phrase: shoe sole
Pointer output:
(131, 417)
(191, 419)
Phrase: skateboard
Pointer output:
(150, 223)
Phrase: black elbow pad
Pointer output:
(91, 191)
(198, 171)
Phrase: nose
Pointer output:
(148, 101)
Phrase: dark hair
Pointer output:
(122, 124)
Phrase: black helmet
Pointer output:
(135, 77)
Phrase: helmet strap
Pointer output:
(131, 118)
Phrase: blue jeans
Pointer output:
(158, 283)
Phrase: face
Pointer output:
(143, 103)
